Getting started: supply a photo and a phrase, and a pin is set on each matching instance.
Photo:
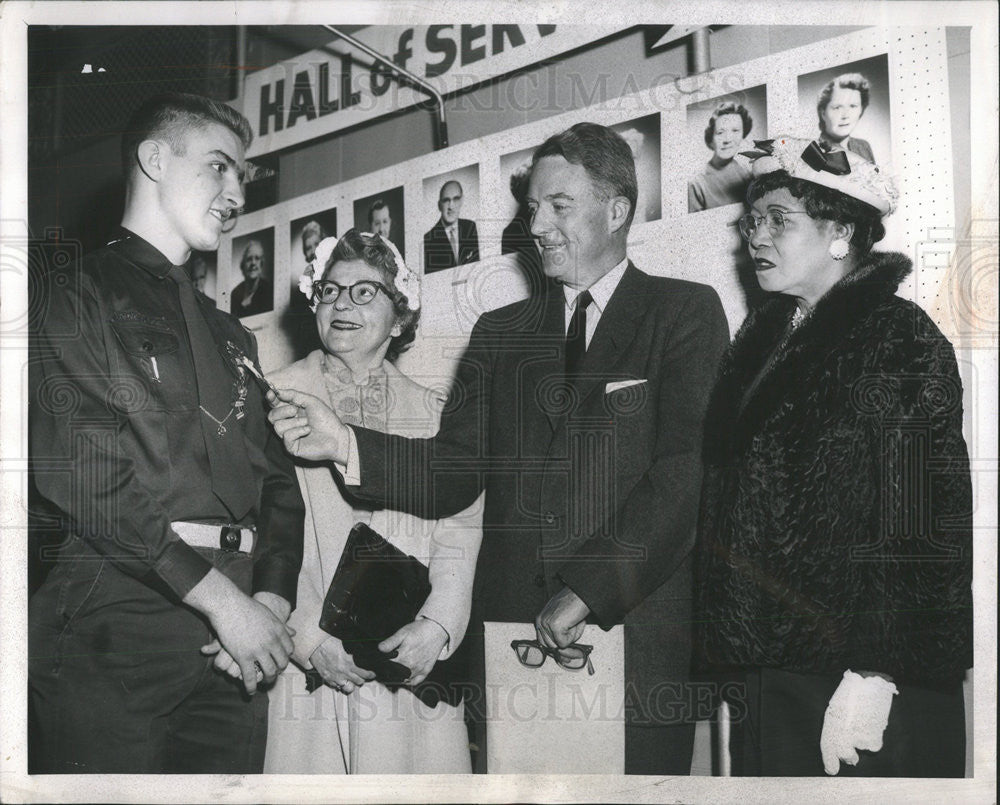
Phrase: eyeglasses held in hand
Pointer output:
(327, 291)
(532, 654)
(774, 219)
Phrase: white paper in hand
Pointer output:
(550, 720)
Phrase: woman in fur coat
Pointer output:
(835, 546)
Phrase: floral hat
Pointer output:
(406, 282)
(816, 162)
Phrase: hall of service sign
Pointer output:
(338, 86)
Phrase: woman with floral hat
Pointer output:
(835, 543)
(367, 304)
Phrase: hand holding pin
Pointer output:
(267, 384)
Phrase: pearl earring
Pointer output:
(838, 249)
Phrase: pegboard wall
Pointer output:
(703, 246)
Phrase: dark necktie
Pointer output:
(232, 478)
(576, 336)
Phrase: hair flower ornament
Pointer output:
(407, 283)
(323, 251)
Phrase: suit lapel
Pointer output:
(546, 369)
(615, 331)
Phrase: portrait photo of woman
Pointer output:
(725, 127)
(849, 105)
(253, 261)
(841, 103)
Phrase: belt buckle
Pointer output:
(230, 538)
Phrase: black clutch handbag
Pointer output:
(376, 590)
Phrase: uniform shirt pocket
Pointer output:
(154, 363)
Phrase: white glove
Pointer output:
(856, 717)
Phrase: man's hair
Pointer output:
(312, 228)
(854, 81)
(603, 154)
(727, 108)
(377, 204)
(461, 191)
(170, 115)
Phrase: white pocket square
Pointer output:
(622, 384)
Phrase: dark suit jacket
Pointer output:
(437, 248)
(593, 489)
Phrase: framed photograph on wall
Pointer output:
(717, 130)
(383, 213)
(448, 219)
(304, 234)
(643, 136)
(847, 106)
(253, 266)
(515, 170)
(516, 239)
(203, 268)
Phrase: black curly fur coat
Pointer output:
(836, 526)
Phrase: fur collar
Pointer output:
(845, 306)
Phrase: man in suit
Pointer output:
(452, 241)
(579, 411)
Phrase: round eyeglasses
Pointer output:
(327, 291)
(773, 219)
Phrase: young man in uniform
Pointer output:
(166, 607)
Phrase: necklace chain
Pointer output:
(220, 422)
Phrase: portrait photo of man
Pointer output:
(453, 240)
(382, 214)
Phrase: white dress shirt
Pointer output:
(451, 230)
(601, 291)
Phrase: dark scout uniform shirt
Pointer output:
(116, 429)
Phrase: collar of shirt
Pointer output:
(601, 291)
(141, 252)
